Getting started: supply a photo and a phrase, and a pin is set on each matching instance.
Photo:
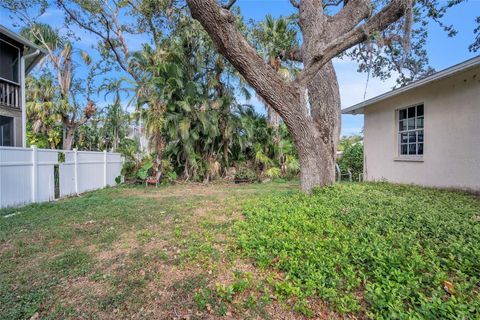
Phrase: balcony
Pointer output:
(9, 94)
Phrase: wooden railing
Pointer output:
(9, 95)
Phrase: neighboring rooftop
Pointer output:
(440, 75)
(29, 47)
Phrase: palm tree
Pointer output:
(115, 125)
(274, 37)
(60, 55)
(42, 108)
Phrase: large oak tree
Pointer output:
(310, 104)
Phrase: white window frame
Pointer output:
(19, 71)
(398, 133)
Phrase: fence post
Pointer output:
(123, 164)
(337, 168)
(34, 173)
(104, 168)
(75, 169)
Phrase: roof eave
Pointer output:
(21, 39)
(29, 67)
(463, 66)
(31, 47)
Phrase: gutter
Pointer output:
(24, 100)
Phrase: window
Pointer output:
(9, 62)
(410, 131)
(6, 131)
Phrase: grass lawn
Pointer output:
(244, 252)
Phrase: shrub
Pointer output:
(352, 158)
(245, 174)
(273, 173)
(171, 177)
(292, 166)
(129, 170)
(144, 171)
(374, 250)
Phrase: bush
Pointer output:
(352, 158)
(144, 171)
(292, 166)
(374, 250)
(129, 170)
(170, 177)
(245, 174)
(273, 173)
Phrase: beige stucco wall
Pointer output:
(17, 115)
(452, 135)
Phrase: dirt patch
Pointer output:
(82, 285)
(80, 294)
(185, 190)
(219, 191)
(88, 225)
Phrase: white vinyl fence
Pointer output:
(29, 175)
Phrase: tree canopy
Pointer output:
(186, 82)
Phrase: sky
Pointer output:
(442, 50)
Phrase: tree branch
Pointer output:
(333, 3)
(148, 18)
(388, 15)
(293, 55)
(229, 4)
(122, 61)
(295, 3)
(219, 24)
(349, 17)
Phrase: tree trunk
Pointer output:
(225, 151)
(324, 99)
(53, 146)
(69, 136)
(314, 126)
(317, 136)
(159, 147)
(317, 166)
(315, 154)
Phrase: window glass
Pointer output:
(411, 112)
(412, 149)
(9, 56)
(410, 128)
(412, 137)
(411, 124)
(420, 136)
(420, 110)
(420, 123)
(6, 131)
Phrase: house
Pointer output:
(18, 56)
(427, 132)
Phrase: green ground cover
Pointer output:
(377, 250)
(243, 252)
